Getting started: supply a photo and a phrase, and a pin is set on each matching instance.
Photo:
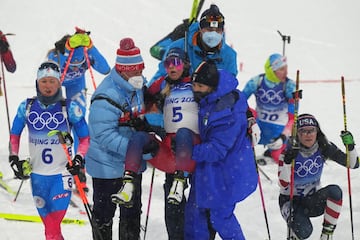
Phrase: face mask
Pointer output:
(199, 95)
(136, 81)
(211, 39)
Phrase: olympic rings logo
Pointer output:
(45, 119)
(310, 166)
(270, 96)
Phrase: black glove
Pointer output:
(140, 124)
(60, 44)
(152, 147)
(348, 139)
(17, 167)
(291, 151)
(179, 31)
(76, 164)
(4, 46)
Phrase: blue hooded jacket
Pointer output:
(108, 142)
(225, 57)
(225, 167)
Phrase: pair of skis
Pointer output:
(33, 218)
(6, 186)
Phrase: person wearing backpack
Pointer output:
(74, 80)
(173, 96)
(116, 112)
(273, 92)
(51, 174)
(205, 41)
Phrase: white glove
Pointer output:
(276, 143)
(254, 131)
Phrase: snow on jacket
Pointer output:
(225, 57)
(225, 168)
(108, 141)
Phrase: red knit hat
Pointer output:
(128, 56)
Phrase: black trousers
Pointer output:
(104, 209)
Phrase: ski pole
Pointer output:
(89, 66)
(263, 173)
(262, 196)
(18, 191)
(26, 170)
(297, 96)
(5, 94)
(347, 157)
(284, 39)
(62, 78)
(149, 202)
(63, 136)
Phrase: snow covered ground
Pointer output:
(323, 47)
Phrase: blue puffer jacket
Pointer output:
(225, 57)
(108, 142)
(225, 167)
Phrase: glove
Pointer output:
(347, 139)
(18, 166)
(276, 143)
(80, 40)
(60, 44)
(76, 164)
(291, 151)
(4, 46)
(139, 124)
(254, 131)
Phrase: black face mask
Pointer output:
(199, 95)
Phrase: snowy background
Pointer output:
(324, 46)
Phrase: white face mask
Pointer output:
(136, 81)
(211, 39)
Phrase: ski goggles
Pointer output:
(174, 61)
(48, 69)
(212, 21)
(51, 65)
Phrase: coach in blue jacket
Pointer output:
(225, 171)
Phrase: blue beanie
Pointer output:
(176, 52)
(277, 61)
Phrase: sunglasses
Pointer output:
(51, 65)
(308, 131)
(174, 61)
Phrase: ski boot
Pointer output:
(176, 193)
(327, 231)
(124, 196)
